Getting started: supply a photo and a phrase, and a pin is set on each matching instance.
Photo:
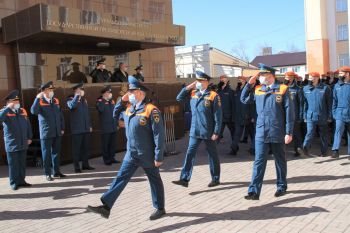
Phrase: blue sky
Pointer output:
(251, 24)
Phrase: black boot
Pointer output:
(213, 183)
(103, 210)
(335, 154)
(157, 214)
(252, 196)
(181, 183)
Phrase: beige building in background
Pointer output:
(327, 34)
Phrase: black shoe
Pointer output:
(306, 152)
(25, 184)
(77, 170)
(103, 210)
(280, 193)
(213, 183)
(157, 214)
(251, 151)
(252, 196)
(14, 187)
(335, 154)
(59, 175)
(115, 161)
(49, 178)
(88, 168)
(181, 182)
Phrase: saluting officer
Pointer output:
(296, 96)
(205, 126)
(51, 127)
(100, 74)
(105, 106)
(139, 74)
(145, 134)
(245, 116)
(317, 111)
(341, 109)
(274, 127)
(17, 137)
(80, 126)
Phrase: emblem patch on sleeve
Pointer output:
(207, 103)
(143, 121)
(279, 99)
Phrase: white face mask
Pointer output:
(199, 86)
(132, 99)
(16, 106)
(110, 96)
(51, 94)
(263, 80)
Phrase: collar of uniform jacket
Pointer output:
(206, 92)
(274, 87)
(140, 109)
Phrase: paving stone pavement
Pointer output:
(318, 198)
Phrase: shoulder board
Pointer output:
(212, 95)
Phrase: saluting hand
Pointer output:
(62, 132)
(215, 137)
(10, 105)
(40, 95)
(288, 139)
(125, 97)
(253, 79)
(158, 164)
(191, 86)
(29, 142)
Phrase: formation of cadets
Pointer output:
(268, 112)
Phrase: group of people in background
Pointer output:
(101, 75)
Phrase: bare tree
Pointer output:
(292, 48)
(241, 51)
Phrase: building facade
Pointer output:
(327, 34)
(51, 40)
(210, 60)
(284, 62)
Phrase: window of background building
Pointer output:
(136, 11)
(343, 32)
(158, 70)
(122, 58)
(157, 10)
(296, 69)
(343, 60)
(341, 5)
(110, 6)
(283, 70)
(92, 63)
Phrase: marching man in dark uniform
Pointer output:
(139, 74)
(341, 109)
(317, 111)
(105, 106)
(51, 127)
(80, 126)
(274, 127)
(296, 97)
(227, 100)
(17, 137)
(244, 117)
(145, 134)
(100, 74)
(205, 126)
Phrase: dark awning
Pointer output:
(55, 29)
